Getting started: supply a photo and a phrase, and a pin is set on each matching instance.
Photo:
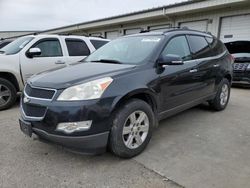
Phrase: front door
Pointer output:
(51, 57)
(178, 82)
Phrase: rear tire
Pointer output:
(222, 96)
(8, 94)
(132, 128)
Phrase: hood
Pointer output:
(76, 74)
(238, 47)
(240, 51)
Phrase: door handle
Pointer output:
(59, 62)
(193, 70)
(216, 65)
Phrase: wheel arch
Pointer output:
(228, 77)
(142, 94)
(11, 78)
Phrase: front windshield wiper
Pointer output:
(2, 52)
(107, 61)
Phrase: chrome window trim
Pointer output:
(207, 58)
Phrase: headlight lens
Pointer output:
(90, 90)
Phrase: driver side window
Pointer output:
(178, 46)
(49, 48)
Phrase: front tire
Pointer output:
(132, 128)
(222, 96)
(7, 94)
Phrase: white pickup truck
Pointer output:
(33, 54)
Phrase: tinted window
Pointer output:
(199, 47)
(98, 43)
(178, 46)
(77, 47)
(209, 40)
(49, 48)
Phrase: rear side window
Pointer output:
(217, 46)
(98, 43)
(199, 47)
(178, 46)
(77, 47)
(49, 48)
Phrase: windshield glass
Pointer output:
(127, 50)
(16, 46)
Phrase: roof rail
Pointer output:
(167, 29)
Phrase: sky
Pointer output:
(36, 15)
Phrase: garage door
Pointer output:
(112, 35)
(235, 28)
(96, 34)
(159, 27)
(201, 25)
(132, 31)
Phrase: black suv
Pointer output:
(117, 95)
(241, 68)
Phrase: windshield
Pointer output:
(16, 46)
(127, 50)
(239, 49)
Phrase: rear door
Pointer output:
(178, 82)
(50, 58)
(206, 64)
(77, 49)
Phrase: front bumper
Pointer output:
(93, 144)
(44, 116)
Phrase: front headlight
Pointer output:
(90, 90)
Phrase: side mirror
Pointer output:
(33, 52)
(170, 60)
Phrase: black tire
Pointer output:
(116, 141)
(216, 102)
(9, 101)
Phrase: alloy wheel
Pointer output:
(135, 129)
(224, 95)
(5, 95)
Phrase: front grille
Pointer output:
(33, 110)
(39, 92)
(240, 67)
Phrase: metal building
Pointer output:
(226, 19)
(13, 34)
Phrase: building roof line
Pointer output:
(127, 14)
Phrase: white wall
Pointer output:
(213, 18)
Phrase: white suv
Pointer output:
(33, 54)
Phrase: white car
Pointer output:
(33, 54)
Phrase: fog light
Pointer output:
(71, 127)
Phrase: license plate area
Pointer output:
(25, 127)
